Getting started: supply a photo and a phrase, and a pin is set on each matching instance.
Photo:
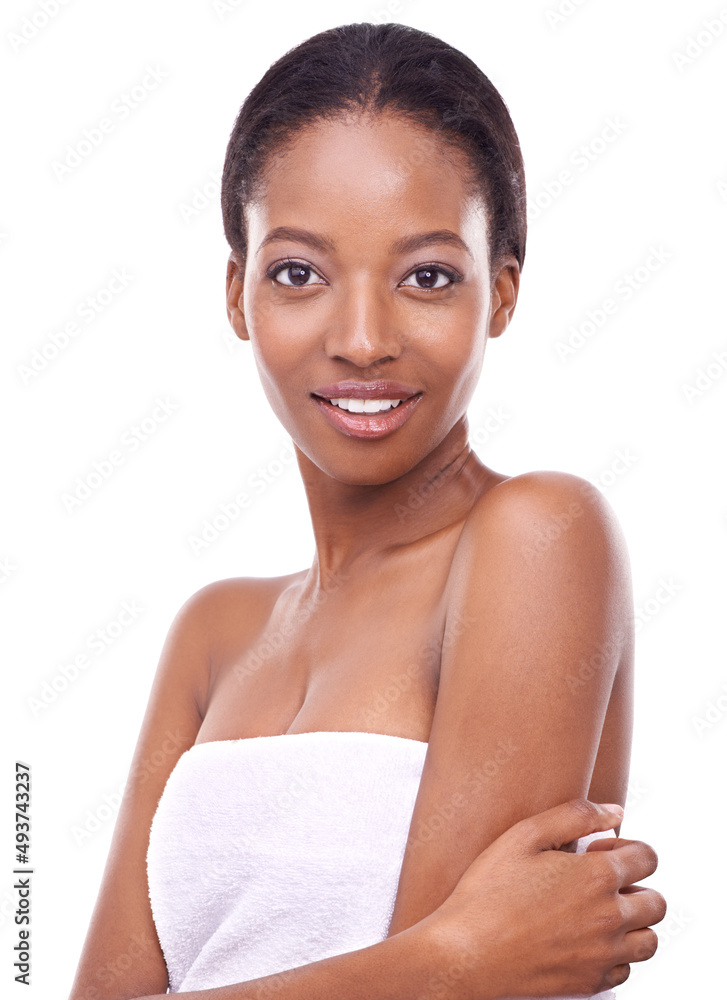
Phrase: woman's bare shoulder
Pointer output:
(239, 598)
(539, 481)
(554, 498)
(225, 615)
(540, 521)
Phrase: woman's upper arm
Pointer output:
(539, 616)
(121, 956)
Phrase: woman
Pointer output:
(452, 676)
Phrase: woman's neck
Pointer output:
(357, 527)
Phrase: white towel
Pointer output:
(275, 851)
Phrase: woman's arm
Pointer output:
(121, 956)
(525, 919)
(539, 624)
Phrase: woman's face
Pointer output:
(368, 261)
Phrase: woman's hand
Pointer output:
(527, 919)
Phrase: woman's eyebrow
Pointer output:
(416, 242)
(406, 244)
(322, 243)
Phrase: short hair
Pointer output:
(377, 68)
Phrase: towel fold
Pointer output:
(276, 851)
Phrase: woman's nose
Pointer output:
(364, 326)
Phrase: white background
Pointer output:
(615, 410)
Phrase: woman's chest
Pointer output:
(359, 657)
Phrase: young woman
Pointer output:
(363, 771)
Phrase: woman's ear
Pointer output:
(504, 296)
(234, 297)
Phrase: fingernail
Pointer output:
(614, 808)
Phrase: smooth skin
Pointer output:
(504, 601)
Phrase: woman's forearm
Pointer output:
(416, 962)
(525, 919)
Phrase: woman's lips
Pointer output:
(367, 425)
(376, 389)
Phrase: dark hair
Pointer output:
(377, 67)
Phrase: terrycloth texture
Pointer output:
(271, 852)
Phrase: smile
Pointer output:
(355, 405)
(367, 418)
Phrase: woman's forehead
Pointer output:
(376, 174)
(385, 147)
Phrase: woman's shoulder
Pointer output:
(543, 550)
(544, 491)
(214, 624)
(239, 601)
(219, 593)
(527, 514)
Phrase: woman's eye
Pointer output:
(429, 277)
(298, 275)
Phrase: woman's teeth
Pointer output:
(366, 405)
